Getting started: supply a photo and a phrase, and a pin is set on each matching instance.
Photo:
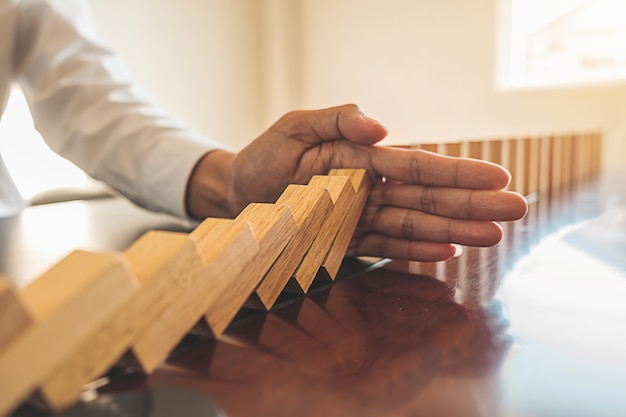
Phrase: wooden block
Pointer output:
(452, 149)
(475, 150)
(530, 165)
(14, 314)
(512, 165)
(67, 303)
(274, 226)
(226, 246)
(342, 193)
(429, 147)
(165, 264)
(556, 164)
(360, 181)
(495, 151)
(310, 207)
(545, 160)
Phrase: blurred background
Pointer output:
(431, 71)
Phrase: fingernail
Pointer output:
(458, 250)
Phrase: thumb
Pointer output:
(345, 122)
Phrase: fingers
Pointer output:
(427, 168)
(342, 122)
(451, 202)
(399, 249)
(419, 226)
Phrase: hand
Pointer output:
(420, 204)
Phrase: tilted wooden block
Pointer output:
(310, 207)
(362, 186)
(226, 246)
(67, 302)
(165, 264)
(274, 226)
(342, 194)
(14, 314)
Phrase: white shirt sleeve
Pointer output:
(88, 109)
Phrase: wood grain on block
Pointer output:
(274, 226)
(14, 314)
(310, 207)
(226, 246)
(342, 194)
(495, 151)
(452, 149)
(165, 264)
(475, 150)
(361, 183)
(69, 301)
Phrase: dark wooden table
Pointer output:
(534, 327)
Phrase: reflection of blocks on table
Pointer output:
(226, 246)
(14, 315)
(310, 207)
(342, 193)
(164, 264)
(67, 302)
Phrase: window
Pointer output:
(561, 42)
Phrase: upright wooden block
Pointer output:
(342, 193)
(361, 183)
(226, 246)
(429, 147)
(452, 149)
(512, 165)
(69, 301)
(545, 160)
(495, 151)
(556, 166)
(475, 150)
(14, 314)
(310, 207)
(274, 226)
(165, 264)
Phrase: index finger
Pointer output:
(413, 166)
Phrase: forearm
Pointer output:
(209, 190)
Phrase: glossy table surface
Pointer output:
(534, 327)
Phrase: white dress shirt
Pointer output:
(88, 109)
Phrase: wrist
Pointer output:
(209, 190)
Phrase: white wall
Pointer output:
(424, 68)
(199, 58)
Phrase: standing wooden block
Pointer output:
(556, 156)
(452, 149)
(360, 181)
(310, 207)
(531, 165)
(274, 226)
(68, 302)
(226, 246)
(566, 160)
(342, 193)
(475, 150)
(14, 315)
(429, 147)
(512, 165)
(495, 151)
(165, 264)
(545, 160)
